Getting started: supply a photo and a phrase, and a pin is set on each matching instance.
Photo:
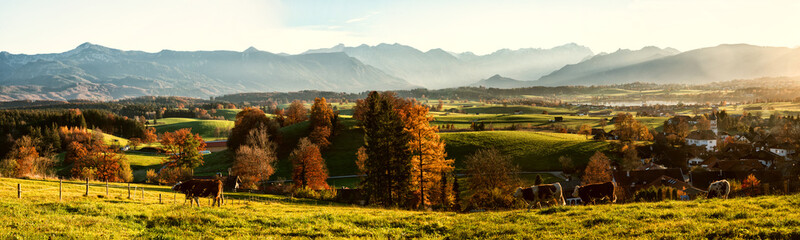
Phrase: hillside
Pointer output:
(39, 215)
(532, 151)
(498, 81)
(100, 73)
(713, 64)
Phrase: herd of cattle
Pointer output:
(551, 194)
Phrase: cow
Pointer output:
(719, 189)
(537, 194)
(196, 188)
(591, 192)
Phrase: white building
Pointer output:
(702, 138)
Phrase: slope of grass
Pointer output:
(39, 215)
(533, 151)
(203, 127)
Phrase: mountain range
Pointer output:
(96, 72)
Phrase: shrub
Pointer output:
(171, 175)
(152, 176)
(495, 199)
(306, 192)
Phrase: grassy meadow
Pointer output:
(39, 215)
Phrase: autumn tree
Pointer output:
(387, 167)
(135, 142)
(248, 119)
(628, 129)
(428, 157)
(703, 123)
(255, 159)
(183, 148)
(677, 126)
(585, 129)
(93, 159)
(630, 157)
(567, 165)
(296, 113)
(308, 167)
(488, 169)
(149, 135)
(21, 161)
(323, 121)
(598, 170)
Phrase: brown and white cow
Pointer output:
(592, 192)
(196, 188)
(537, 194)
(719, 189)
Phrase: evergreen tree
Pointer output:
(387, 167)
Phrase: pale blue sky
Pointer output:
(33, 26)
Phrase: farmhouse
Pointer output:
(217, 146)
(784, 149)
(702, 138)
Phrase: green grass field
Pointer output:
(205, 128)
(532, 151)
(500, 121)
(39, 215)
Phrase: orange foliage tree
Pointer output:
(322, 123)
(428, 159)
(598, 170)
(94, 159)
(21, 161)
(183, 148)
(255, 160)
(628, 129)
(247, 120)
(308, 167)
(296, 113)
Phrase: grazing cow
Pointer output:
(719, 189)
(541, 193)
(196, 188)
(591, 192)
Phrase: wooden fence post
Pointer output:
(19, 190)
(129, 190)
(87, 187)
(159, 198)
(173, 197)
(142, 198)
(60, 182)
(107, 188)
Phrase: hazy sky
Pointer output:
(31, 26)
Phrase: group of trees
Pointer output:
(255, 139)
(403, 158)
(91, 158)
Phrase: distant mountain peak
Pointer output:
(251, 49)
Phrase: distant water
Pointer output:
(637, 103)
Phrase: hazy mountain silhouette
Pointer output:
(498, 81)
(113, 74)
(721, 63)
(437, 68)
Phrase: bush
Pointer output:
(495, 199)
(152, 176)
(172, 175)
(306, 192)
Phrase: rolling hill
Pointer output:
(498, 81)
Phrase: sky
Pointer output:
(482, 27)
